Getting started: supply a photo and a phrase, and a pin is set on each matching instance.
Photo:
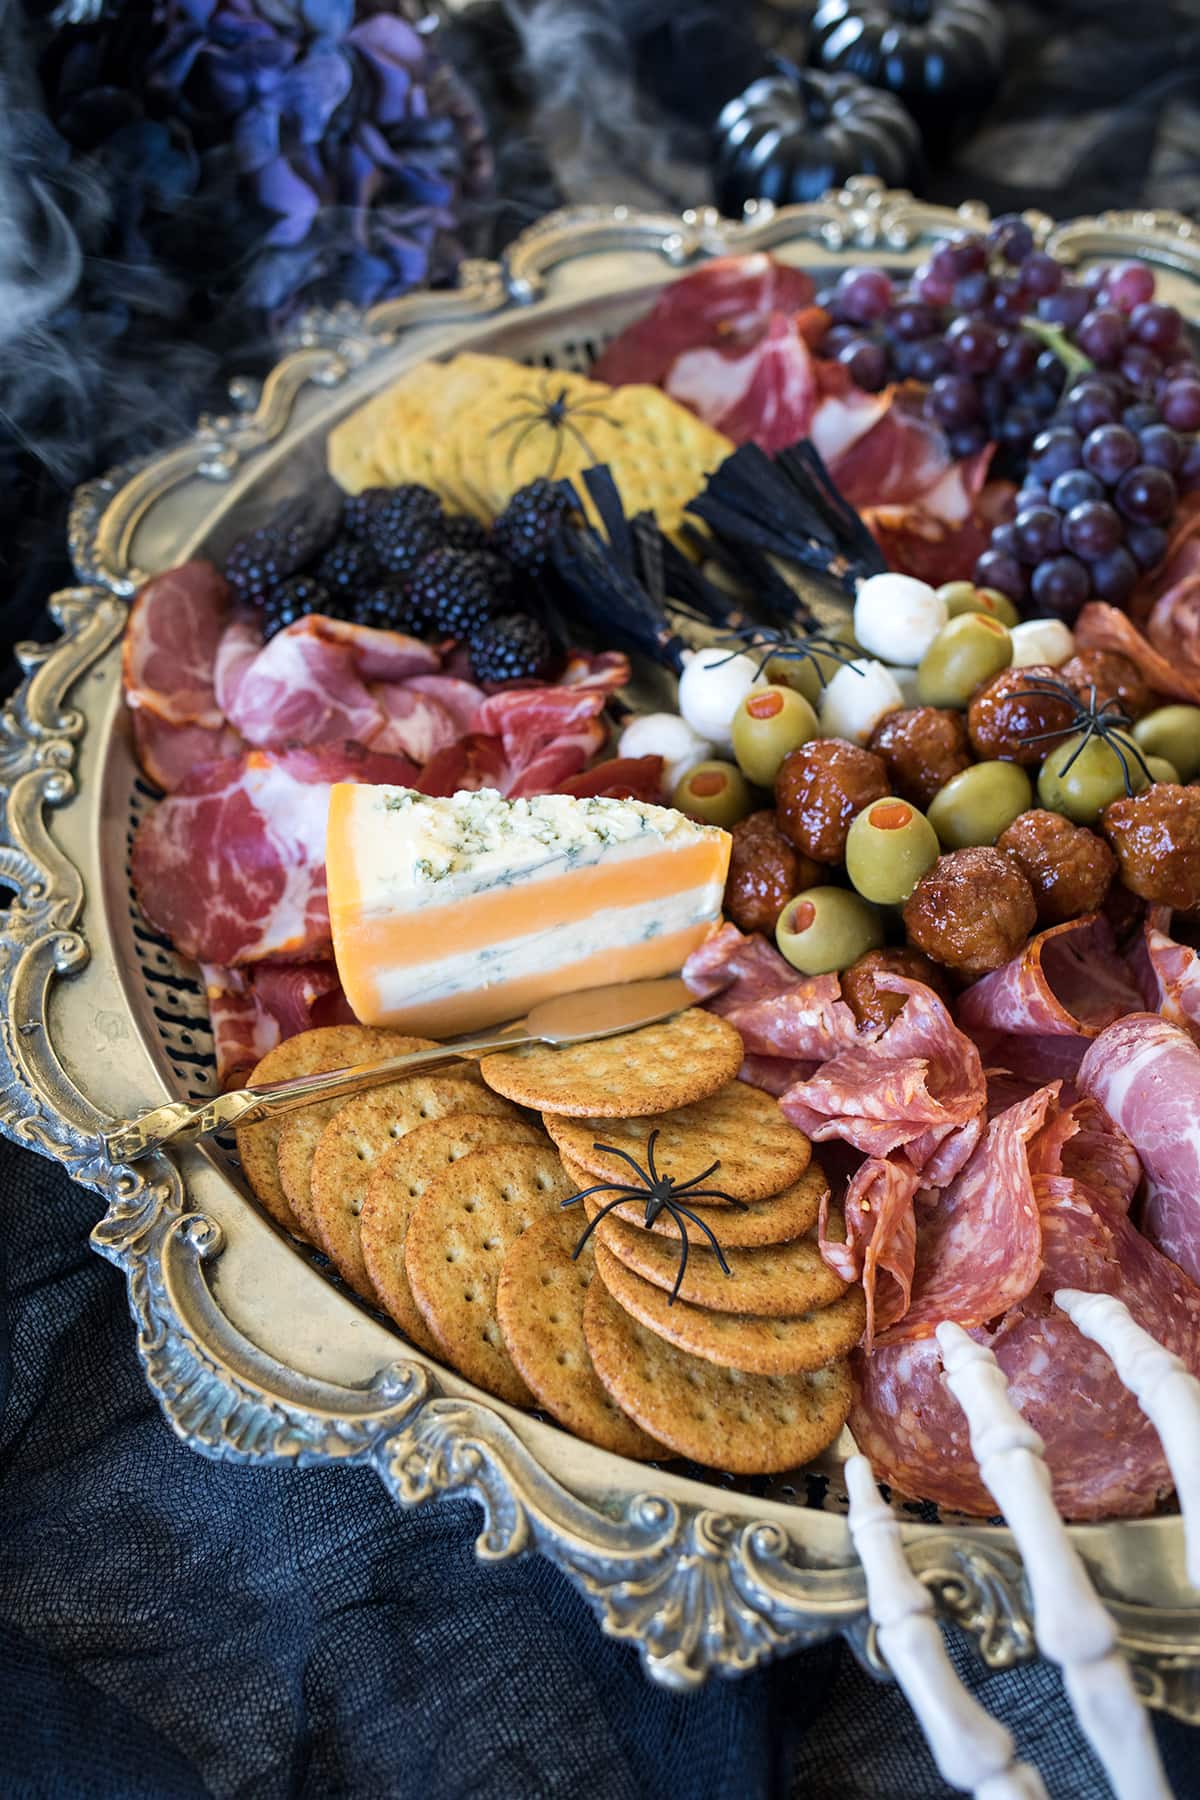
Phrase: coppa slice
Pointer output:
(452, 914)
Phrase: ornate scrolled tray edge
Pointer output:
(327, 346)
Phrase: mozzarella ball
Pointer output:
(667, 735)
(859, 695)
(896, 618)
(1041, 641)
(712, 687)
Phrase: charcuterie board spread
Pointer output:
(923, 834)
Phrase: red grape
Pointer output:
(1018, 360)
(1109, 451)
(1011, 238)
(1140, 367)
(930, 358)
(1038, 533)
(1031, 493)
(1114, 577)
(1092, 529)
(1073, 488)
(965, 440)
(1147, 495)
(1139, 416)
(1068, 307)
(1155, 325)
(1101, 334)
(1180, 406)
(863, 295)
(1060, 587)
(1008, 305)
(933, 285)
(1187, 475)
(997, 570)
(952, 400)
(1128, 284)
(962, 255)
(973, 345)
(973, 292)
(1161, 447)
(1040, 274)
(867, 363)
(1091, 403)
(1147, 544)
(1054, 452)
(912, 320)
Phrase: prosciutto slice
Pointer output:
(1102, 627)
(729, 302)
(1145, 1073)
(766, 396)
(232, 865)
(170, 647)
(1168, 972)
(253, 1009)
(909, 1089)
(1067, 982)
(1104, 1457)
(904, 461)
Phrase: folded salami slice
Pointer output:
(232, 865)
(979, 1246)
(1145, 1073)
(1068, 981)
(881, 1238)
(909, 1089)
(732, 969)
(1104, 1456)
(778, 1012)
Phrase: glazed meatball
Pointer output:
(819, 789)
(1010, 719)
(973, 911)
(1068, 867)
(765, 870)
(1156, 836)
(1113, 676)
(872, 1005)
(922, 748)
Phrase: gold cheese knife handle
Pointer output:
(180, 1123)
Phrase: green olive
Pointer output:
(1162, 770)
(976, 805)
(1173, 732)
(827, 928)
(768, 723)
(716, 793)
(965, 653)
(889, 847)
(808, 675)
(1081, 776)
(964, 597)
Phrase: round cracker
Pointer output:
(355, 1139)
(648, 1071)
(458, 1236)
(739, 1128)
(776, 1220)
(539, 1303)
(308, 1053)
(401, 1177)
(770, 1280)
(748, 1424)
(773, 1346)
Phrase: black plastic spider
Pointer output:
(769, 644)
(556, 411)
(1106, 722)
(661, 1193)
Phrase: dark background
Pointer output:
(171, 1627)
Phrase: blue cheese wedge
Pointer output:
(450, 915)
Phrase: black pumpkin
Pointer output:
(792, 135)
(943, 58)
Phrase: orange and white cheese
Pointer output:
(449, 915)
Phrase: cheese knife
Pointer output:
(578, 1018)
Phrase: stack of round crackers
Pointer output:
(457, 1202)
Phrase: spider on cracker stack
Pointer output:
(683, 1319)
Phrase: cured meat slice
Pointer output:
(474, 762)
(740, 968)
(979, 1247)
(1168, 972)
(730, 301)
(556, 761)
(415, 723)
(779, 1013)
(169, 753)
(251, 1010)
(1102, 627)
(620, 778)
(461, 699)
(1100, 1156)
(767, 395)
(1104, 1456)
(171, 637)
(774, 1074)
(606, 669)
(1029, 1059)
(881, 1238)
(1067, 982)
(911, 1087)
(845, 412)
(1145, 1073)
(232, 865)
(905, 461)
(529, 720)
(318, 681)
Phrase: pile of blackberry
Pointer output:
(393, 560)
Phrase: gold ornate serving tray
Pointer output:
(255, 1354)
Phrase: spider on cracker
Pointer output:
(661, 1193)
(557, 412)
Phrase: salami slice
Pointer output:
(1145, 1073)
(1067, 982)
(620, 778)
(911, 1087)
(881, 1238)
(232, 865)
(739, 968)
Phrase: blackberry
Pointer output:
(459, 531)
(358, 509)
(387, 608)
(348, 569)
(529, 523)
(293, 600)
(456, 589)
(403, 525)
(277, 550)
(511, 648)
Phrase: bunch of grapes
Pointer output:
(1087, 387)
